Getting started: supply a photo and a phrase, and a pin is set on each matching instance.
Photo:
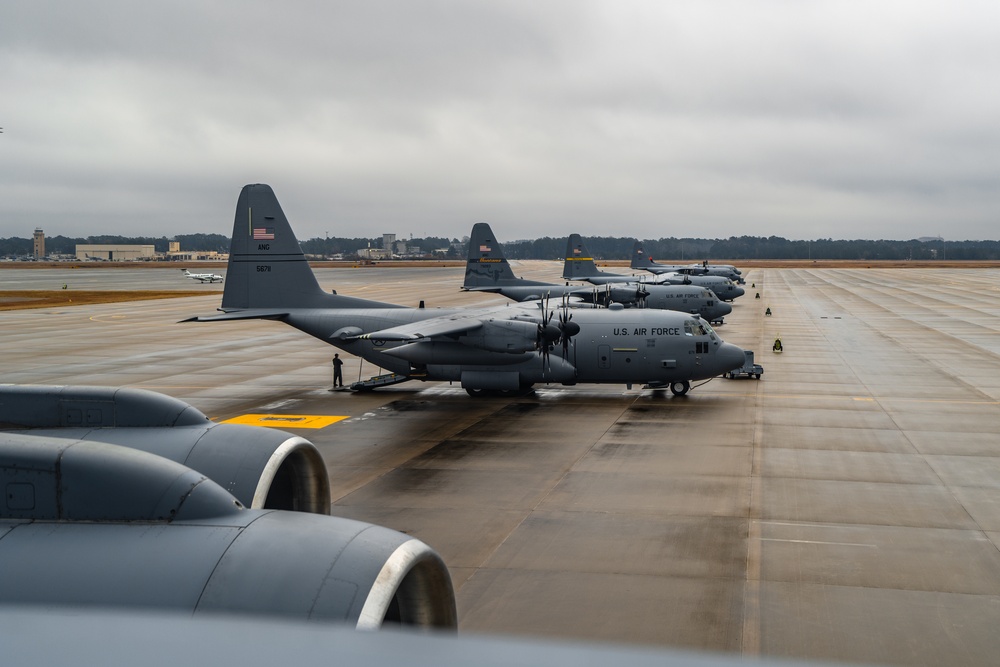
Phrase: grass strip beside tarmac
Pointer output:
(20, 299)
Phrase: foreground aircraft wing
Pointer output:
(43, 635)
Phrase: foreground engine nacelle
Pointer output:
(85, 522)
(263, 468)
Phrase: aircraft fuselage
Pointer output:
(650, 346)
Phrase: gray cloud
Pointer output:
(799, 119)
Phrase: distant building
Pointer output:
(115, 253)
(374, 253)
(175, 254)
(197, 256)
(39, 243)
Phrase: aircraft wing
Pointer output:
(431, 328)
(455, 324)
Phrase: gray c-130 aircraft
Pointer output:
(642, 260)
(579, 265)
(500, 348)
(487, 270)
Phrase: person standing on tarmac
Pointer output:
(338, 371)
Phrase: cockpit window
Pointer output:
(697, 328)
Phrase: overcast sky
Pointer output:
(798, 118)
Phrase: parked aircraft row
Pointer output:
(490, 348)
(487, 270)
(641, 260)
(580, 265)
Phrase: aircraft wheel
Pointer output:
(756, 377)
(680, 388)
(475, 393)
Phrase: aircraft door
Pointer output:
(700, 349)
(697, 329)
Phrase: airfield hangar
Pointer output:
(115, 253)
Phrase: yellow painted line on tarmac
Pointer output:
(287, 421)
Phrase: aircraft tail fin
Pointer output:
(267, 268)
(640, 260)
(486, 264)
(579, 264)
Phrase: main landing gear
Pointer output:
(680, 388)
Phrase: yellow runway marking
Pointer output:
(287, 421)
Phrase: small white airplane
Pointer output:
(203, 277)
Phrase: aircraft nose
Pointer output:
(725, 308)
(730, 357)
(739, 291)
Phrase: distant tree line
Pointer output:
(327, 247)
(758, 247)
(602, 247)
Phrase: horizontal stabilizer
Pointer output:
(257, 314)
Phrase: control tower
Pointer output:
(39, 243)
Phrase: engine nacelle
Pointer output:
(97, 524)
(263, 468)
(624, 294)
(510, 336)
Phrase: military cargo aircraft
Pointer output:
(497, 348)
(641, 260)
(127, 499)
(579, 265)
(487, 270)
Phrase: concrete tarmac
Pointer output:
(846, 506)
